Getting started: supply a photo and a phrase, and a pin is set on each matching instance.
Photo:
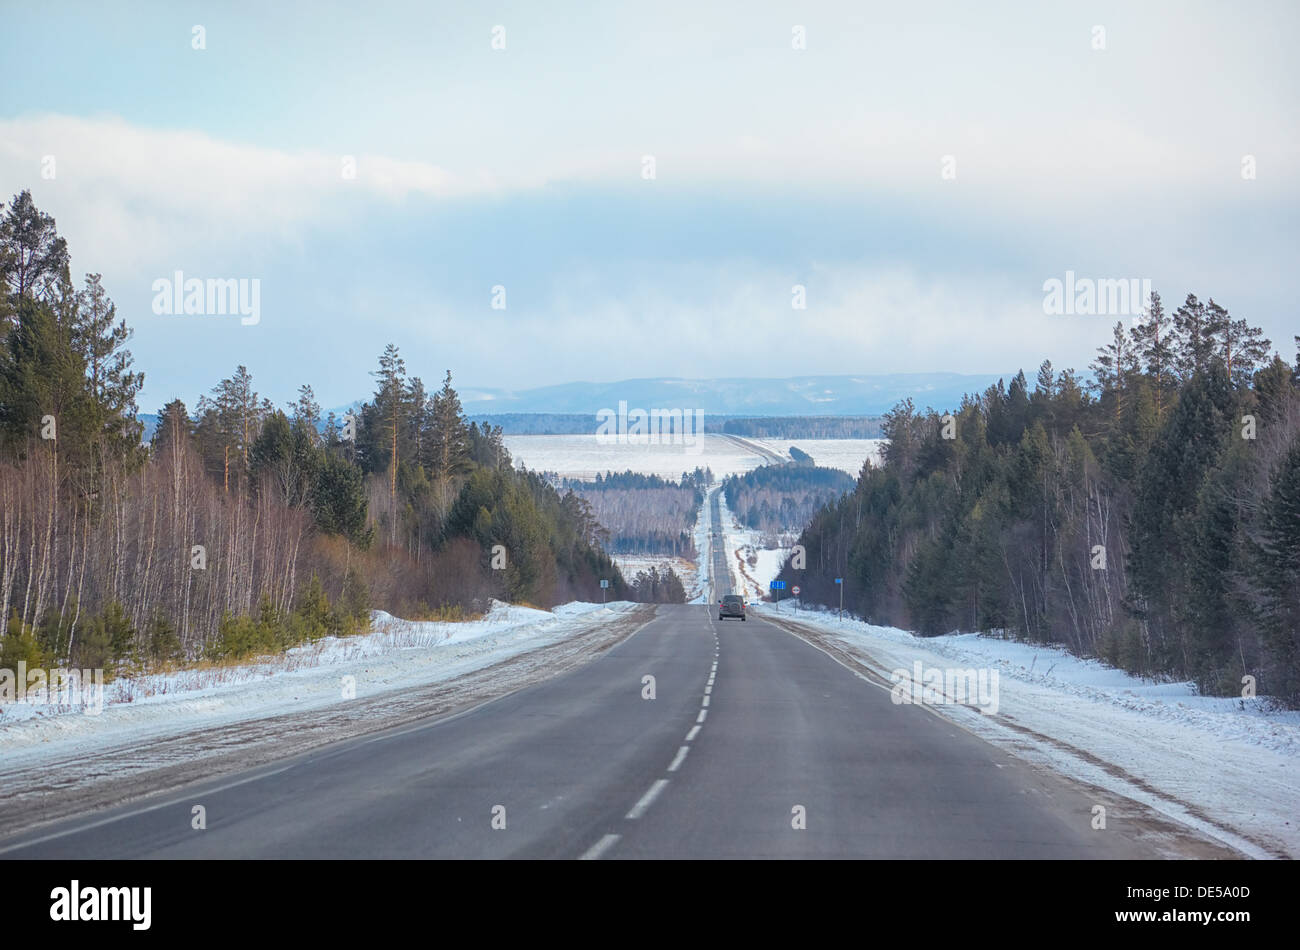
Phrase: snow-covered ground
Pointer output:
(844, 454)
(632, 564)
(396, 655)
(746, 543)
(728, 530)
(583, 456)
(769, 561)
(1228, 767)
(749, 545)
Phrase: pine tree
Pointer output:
(1168, 494)
(487, 446)
(1115, 366)
(228, 424)
(100, 340)
(419, 409)
(1017, 409)
(284, 455)
(41, 375)
(449, 439)
(33, 258)
(390, 411)
(1045, 383)
(1241, 347)
(338, 500)
(174, 428)
(1153, 340)
(1280, 573)
(1194, 327)
(306, 412)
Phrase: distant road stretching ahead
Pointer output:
(767, 455)
(718, 547)
(750, 729)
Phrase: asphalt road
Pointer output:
(720, 571)
(755, 744)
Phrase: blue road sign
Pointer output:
(777, 585)
(839, 580)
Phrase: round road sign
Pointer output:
(795, 590)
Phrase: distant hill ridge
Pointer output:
(574, 405)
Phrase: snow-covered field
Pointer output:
(1228, 767)
(396, 655)
(753, 580)
(631, 564)
(844, 454)
(744, 544)
(583, 456)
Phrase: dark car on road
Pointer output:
(732, 605)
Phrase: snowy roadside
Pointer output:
(735, 540)
(632, 564)
(1227, 767)
(756, 574)
(395, 654)
(748, 579)
(164, 730)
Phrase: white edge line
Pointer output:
(170, 802)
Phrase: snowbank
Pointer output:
(396, 655)
(1229, 767)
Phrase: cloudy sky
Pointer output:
(524, 167)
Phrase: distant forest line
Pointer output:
(754, 427)
(240, 527)
(1149, 515)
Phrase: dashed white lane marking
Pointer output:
(703, 713)
(647, 799)
(677, 759)
(695, 731)
(708, 689)
(706, 701)
(600, 847)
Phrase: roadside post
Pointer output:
(839, 582)
(604, 586)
